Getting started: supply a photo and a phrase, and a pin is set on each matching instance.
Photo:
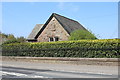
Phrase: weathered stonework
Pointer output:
(56, 28)
(53, 29)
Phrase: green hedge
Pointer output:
(83, 48)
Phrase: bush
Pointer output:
(11, 41)
(81, 34)
(10, 38)
(107, 48)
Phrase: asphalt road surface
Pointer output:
(22, 69)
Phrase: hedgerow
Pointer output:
(106, 48)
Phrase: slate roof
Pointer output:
(35, 31)
(68, 24)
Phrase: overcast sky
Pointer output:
(19, 18)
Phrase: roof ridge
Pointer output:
(65, 17)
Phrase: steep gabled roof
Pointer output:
(68, 24)
(35, 31)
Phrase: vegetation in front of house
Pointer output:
(81, 35)
(106, 48)
(10, 38)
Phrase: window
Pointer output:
(56, 38)
(53, 39)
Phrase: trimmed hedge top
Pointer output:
(80, 48)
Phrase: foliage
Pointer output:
(3, 35)
(11, 41)
(21, 39)
(81, 34)
(107, 48)
(10, 38)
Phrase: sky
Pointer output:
(101, 18)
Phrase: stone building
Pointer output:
(56, 28)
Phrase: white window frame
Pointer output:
(50, 40)
(53, 39)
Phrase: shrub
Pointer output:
(10, 38)
(83, 48)
(81, 34)
(11, 41)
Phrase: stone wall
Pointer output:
(53, 29)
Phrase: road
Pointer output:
(22, 69)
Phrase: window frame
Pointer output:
(56, 39)
(53, 39)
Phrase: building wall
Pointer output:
(53, 29)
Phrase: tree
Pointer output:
(81, 34)
(3, 35)
(21, 39)
(11, 37)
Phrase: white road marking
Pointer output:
(22, 75)
(38, 76)
(12, 73)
